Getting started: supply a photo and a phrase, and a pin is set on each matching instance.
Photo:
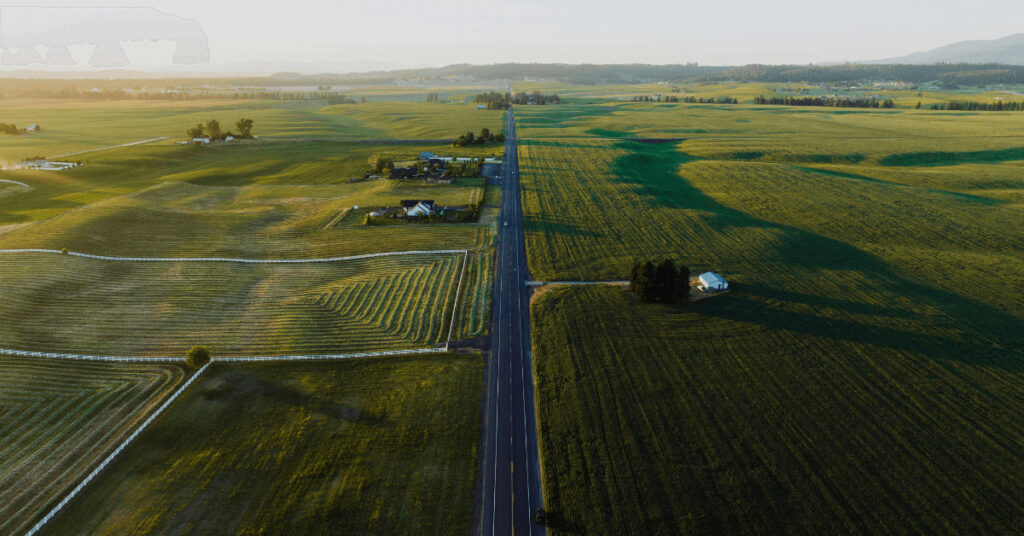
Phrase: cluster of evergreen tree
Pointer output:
(499, 101)
(974, 106)
(691, 99)
(433, 97)
(213, 130)
(830, 102)
(660, 283)
(486, 136)
(9, 129)
(339, 98)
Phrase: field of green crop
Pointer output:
(69, 304)
(58, 419)
(372, 446)
(769, 411)
(181, 218)
(424, 120)
(863, 375)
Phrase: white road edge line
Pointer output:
(81, 485)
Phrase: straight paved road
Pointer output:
(511, 470)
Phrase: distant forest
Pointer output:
(947, 74)
(274, 87)
(827, 101)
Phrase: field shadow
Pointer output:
(949, 158)
(858, 177)
(543, 223)
(243, 387)
(654, 172)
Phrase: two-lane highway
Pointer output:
(511, 492)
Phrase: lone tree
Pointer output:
(683, 283)
(244, 128)
(660, 283)
(214, 127)
(642, 280)
(197, 356)
(196, 131)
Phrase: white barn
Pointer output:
(711, 281)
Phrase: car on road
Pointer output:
(540, 517)
(506, 224)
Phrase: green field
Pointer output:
(263, 199)
(863, 375)
(71, 125)
(70, 304)
(740, 416)
(58, 419)
(378, 446)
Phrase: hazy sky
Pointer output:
(438, 32)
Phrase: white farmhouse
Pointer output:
(415, 207)
(711, 281)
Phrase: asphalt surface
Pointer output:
(511, 485)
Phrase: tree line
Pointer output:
(496, 100)
(663, 282)
(845, 102)
(948, 73)
(974, 106)
(340, 98)
(690, 99)
(213, 130)
(433, 97)
(486, 136)
(9, 129)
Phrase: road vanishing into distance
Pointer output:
(511, 491)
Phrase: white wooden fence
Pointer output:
(106, 461)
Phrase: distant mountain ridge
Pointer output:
(1007, 50)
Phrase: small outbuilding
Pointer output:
(710, 281)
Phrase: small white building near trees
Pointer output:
(711, 281)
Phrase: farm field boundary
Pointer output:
(229, 359)
(556, 283)
(130, 353)
(129, 144)
(238, 260)
(81, 485)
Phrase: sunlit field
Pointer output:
(373, 446)
(873, 326)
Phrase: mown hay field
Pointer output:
(71, 125)
(180, 218)
(58, 419)
(61, 303)
(126, 170)
(424, 120)
(862, 376)
(372, 446)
